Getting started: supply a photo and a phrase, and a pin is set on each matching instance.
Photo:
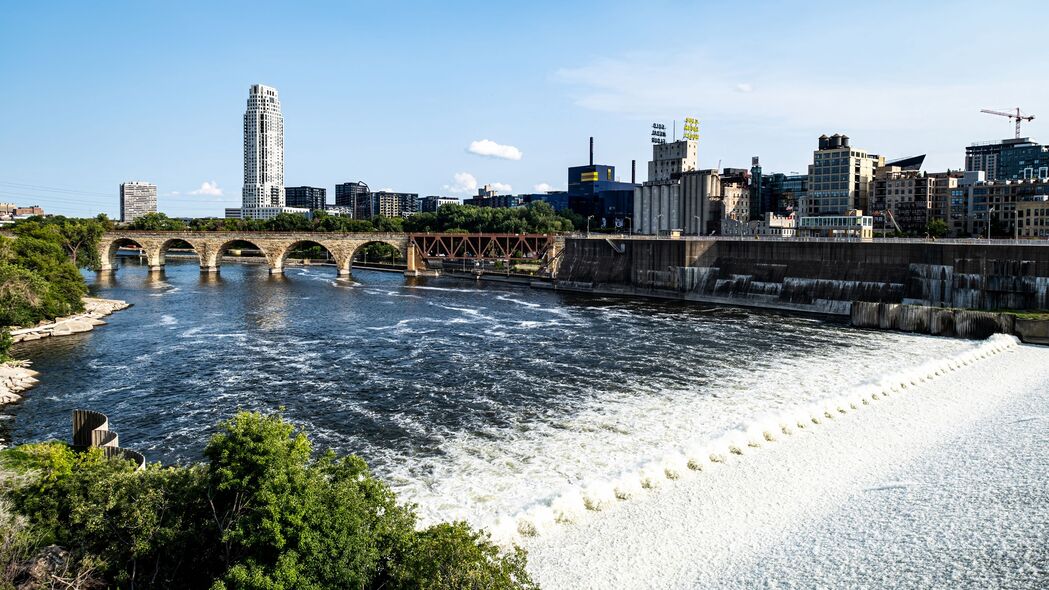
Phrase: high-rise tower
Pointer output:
(263, 154)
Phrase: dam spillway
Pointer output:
(823, 276)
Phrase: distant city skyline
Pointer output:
(476, 94)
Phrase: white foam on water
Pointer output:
(538, 476)
(167, 320)
(520, 302)
(711, 530)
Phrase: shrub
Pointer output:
(260, 513)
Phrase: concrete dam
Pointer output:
(816, 276)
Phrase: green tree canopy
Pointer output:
(260, 513)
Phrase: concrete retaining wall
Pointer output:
(820, 276)
(938, 321)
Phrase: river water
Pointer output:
(475, 402)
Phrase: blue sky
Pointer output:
(394, 93)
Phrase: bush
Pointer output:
(37, 281)
(5, 345)
(260, 513)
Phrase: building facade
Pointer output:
(669, 159)
(852, 225)
(347, 192)
(263, 191)
(993, 205)
(904, 197)
(688, 203)
(840, 178)
(1032, 217)
(391, 204)
(137, 199)
(1008, 159)
(431, 203)
(311, 198)
(489, 197)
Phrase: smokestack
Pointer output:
(633, 171)
(591, 150)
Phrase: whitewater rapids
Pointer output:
(933, 477)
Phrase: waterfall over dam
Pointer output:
(813, 276)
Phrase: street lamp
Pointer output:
(629, 229)
(659, 224)
(588, 218)
(699, 230)
(989, 211)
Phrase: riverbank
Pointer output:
(94, 310)
(937, 484)
(15, 377)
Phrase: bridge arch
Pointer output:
(338, 253)
(162, 249)
(212, 258)
(107, 254)
(401, 246)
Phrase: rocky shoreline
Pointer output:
(94, 310)
(16, 376)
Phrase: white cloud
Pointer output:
(210, 189)
(744, 87)
(543, 187)
(502, 187)
(463, 182)
(490, 149)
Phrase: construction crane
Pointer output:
(1018, 117)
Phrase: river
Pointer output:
(474, 401)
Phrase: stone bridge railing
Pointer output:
(275, 246)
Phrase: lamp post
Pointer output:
(699, 230)
(989, 211)
(588, 218)
(629, 229)
(659, 224)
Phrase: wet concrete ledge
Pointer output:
(940, 321)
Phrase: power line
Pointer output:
(51, 189)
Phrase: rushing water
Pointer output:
(476, 402)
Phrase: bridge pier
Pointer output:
(277, 270)
(209, 269)
(344, 273)
(156, 268)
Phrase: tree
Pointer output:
(157, 222)
(937, 228)
(78, 237)
(288, 222)
(259, 513)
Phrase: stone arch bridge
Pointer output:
(275, 246)
(416, 249)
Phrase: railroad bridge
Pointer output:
(416, 249)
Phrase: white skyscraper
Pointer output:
(137, 199)
(263, 195)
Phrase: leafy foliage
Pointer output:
(157, 222)
(937, 228)
(260, 513)
(538, 217)
(37, 279)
